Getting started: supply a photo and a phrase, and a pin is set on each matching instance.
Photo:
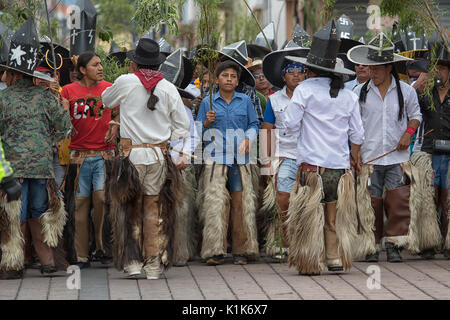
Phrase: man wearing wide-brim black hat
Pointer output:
(151, 114)
(323, 116)
(24, 130)
(287, 75)
(390, 113)
(435, 150)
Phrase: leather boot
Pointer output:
(44, 252)
(377, 205)
(82, 210)
(151, 227)
(238, 236)
(333, 259)
(28, 255)
(393, 253)
(98, 199)
(398, 215)
(283, 203)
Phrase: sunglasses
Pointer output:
(293, 70)
(258, 76)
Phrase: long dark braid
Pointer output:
(401, 102)
(336, 84)
(153, 100)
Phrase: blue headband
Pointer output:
(292, 65)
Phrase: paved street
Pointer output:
(414, 279)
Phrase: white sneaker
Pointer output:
(153, 268)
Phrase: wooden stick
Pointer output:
(184, 153)
(387, 153)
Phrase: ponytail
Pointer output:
(336, 84)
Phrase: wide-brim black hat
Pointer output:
(237, 52)
(178, 70)
(24, 49)
(324, 49)
(275, 61)
(60, 51)
(379, 51)
(146, 53)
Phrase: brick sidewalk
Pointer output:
(263, 280)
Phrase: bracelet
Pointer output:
(411, 130)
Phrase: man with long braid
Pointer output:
(391, 114)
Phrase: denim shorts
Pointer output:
(441, 173)
(92, 176)
(234, 182)
(287, 173)
(34, 198)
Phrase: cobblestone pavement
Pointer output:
(414, 279)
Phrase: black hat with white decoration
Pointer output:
(324, 50)
(24, 49)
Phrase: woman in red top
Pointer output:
(90, 147)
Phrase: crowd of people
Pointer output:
(301, 154)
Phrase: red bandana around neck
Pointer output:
(149, 78)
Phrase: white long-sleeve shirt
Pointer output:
(323, 124)
(286, 143)
(168, 121)
(381, 125)
(190, 143)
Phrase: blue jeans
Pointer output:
(287, 173)
(34, 198)
(234, 182)
(440, 167)
(92, 176)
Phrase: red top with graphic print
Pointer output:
(90, 119)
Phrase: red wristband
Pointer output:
(411, 130)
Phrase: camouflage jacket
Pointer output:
(31, 120)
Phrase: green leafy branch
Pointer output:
(152, 13)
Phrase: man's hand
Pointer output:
(244, 147)
(210, 118)
(182, 162)
(112, 134)
(54, 87)
(421, 82)
(405, 141)
(355, 158)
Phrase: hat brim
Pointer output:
(146, 61)
(18, 70)
(43, 76)
(347, 44)
(185, 94)
(189, 68)
(274, 62)
(337, 69)
(358, 55)
(246, 75)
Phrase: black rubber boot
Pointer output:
(372, 257)
(427, 254)
(393, 253)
